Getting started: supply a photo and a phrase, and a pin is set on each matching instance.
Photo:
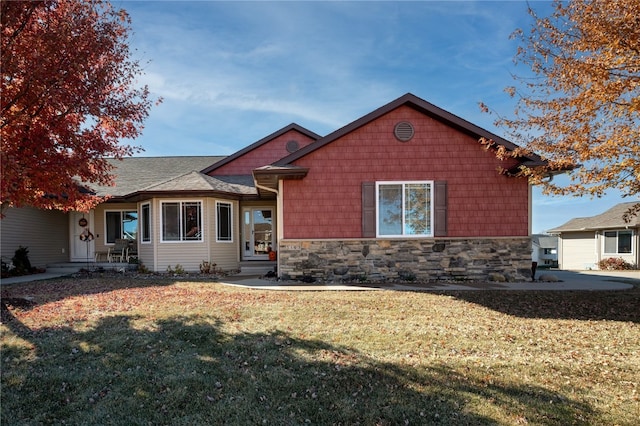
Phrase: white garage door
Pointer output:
(578, 251)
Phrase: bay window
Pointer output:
(181, 221)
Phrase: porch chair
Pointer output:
(120, 251)
(100, 255)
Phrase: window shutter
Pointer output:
(440, 209)
(368, 209)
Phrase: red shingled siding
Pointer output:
(263, 155)
(327, 203)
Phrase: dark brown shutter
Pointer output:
(368, 209)
(440, 209)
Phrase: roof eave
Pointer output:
(144, 195)
(269, 177)
(594, 228)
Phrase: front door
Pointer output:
(81, 234)
(257, 232)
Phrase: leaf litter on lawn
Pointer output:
(199, 352)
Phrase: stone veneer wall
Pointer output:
(477, 259)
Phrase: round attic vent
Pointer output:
(292, 146)
(403, 131)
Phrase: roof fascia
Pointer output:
(277, 133)
(143, 195)
(426, 108)
(288, 173)
(595, 228)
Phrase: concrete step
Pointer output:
(63, 270)
(256, 268)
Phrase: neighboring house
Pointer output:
(585, 241)
(544, 250)
(407, 191)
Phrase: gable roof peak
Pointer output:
(426, 108)
(293, 126)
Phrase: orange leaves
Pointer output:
(581, 106)
(68, 99)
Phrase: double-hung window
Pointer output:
(145, 222)
(121, 224)
(181, 221)
(404, 209)
(224, 222)
(617, 242)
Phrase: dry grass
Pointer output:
(106, 351)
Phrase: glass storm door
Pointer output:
(257, 232)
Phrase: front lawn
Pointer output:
(106, 351)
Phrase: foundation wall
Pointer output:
(477, 259)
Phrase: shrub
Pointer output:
(21, 261)
(614, 264)
(142, 268)
(177, 270)
(207, 267)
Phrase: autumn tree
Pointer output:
(579, 109)
(69, 97)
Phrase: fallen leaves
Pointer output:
(367, 356)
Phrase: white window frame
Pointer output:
(617, 253)
(230, 204)
(431, 185)
(142, 224)
(181, 238)
(106, 222)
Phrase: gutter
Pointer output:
(275, 191)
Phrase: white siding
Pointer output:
(146, 250)
(226, 255)
(158, 256)
(44, 232)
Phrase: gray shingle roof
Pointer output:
(134, 174)
(545, 241)
(612, 218)
(196, 181)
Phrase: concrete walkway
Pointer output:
(33, 277)
(567, 280)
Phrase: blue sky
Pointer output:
(231, 73)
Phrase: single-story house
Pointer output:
(404, 192)
(544, 250)
(584, 241)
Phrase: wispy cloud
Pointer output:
(324, 63)
(232, 72)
